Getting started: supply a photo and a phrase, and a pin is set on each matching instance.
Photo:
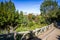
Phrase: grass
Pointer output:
(19, 29)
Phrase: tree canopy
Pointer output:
(9, 17)
(50, 9)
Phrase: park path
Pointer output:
(50, 34)
(53, 35)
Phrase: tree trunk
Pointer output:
(10, 29)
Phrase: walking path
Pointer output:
(51, 34)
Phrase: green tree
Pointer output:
(9, 17)
(21, 16)
(49, 9)
(48, 5)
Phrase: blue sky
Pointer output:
(29, 6)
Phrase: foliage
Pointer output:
(50, 10)
(9, 17)
(21, 28)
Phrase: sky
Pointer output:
(29, 6)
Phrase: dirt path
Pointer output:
(53, 35)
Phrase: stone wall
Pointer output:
(39, 31)
(26, 35)
(36, 32)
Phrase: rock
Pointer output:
(28, 36)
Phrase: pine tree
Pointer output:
(9, 17)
